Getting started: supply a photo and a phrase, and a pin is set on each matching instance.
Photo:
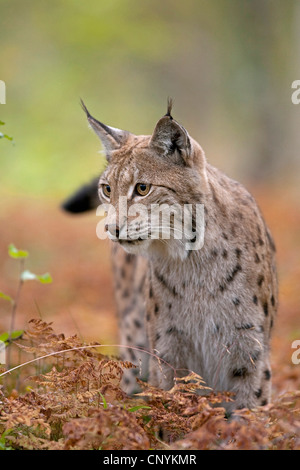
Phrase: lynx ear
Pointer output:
(110, 137)
(171, 139)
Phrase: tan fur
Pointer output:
(209, 310)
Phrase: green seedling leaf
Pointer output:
(45, 278)
(16, 334)
(29, 276)
(5, 297)
(104, 401)
(4, 337)
(15, 253)
(2, 123)
(139, 407)
(5, 136)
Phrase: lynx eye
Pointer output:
(106, 190)
(142, 189)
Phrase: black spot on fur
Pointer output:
(157, 337)
(255, 299)
(150, 292)
(241, 372)
(266, 308)
(156, 309)
(272, 300)
(264, 402)
(129, 258)
(261, 242)
(166, 284)
(137, 323)
(238, 253)
(241, 407)
(224, 236)
(245, 326)
(232, 275)
(123, 273)
(171, 330)
(267, 374)
(258, 393)
(125, 293)
(214, 252)
(225, 254)
(236, 301)
(256, 258)
(260, 280)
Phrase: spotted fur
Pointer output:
(209, 310)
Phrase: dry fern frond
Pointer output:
(76, 403)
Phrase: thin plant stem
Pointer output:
(14, 311)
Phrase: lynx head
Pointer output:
(149, 185)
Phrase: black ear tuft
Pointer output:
(170, 106)
(84, 108)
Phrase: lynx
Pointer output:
(208, 310)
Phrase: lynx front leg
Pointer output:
(129, 279)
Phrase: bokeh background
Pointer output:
(228, 65)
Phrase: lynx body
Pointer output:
(209, 310)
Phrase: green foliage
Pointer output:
(138, 407)
(5, 297)
(9, 337)
(29, 276)
(3, 438)
(15, 253)
(4, 136)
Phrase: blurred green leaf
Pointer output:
(3, 444)
(15, 253)
(139, 407)
(5, 136)
(16, 334)
(2, 123)
(5, 297)
(104, 401)
(4, 337)
(45, 278)
(29, 276)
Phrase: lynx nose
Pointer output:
(113, 230)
